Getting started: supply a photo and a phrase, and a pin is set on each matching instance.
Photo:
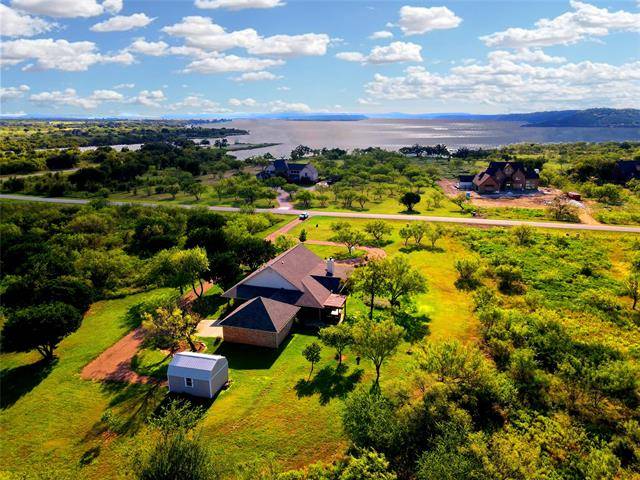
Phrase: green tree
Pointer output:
(418, 230)
(303, 235)
(369, 465)
(409, 200)
(284, 243)
(467, 269)
(181, 268)
(179, 451)
(346, 234)
(305, 197)
(378, 229)
(196, 189)
(40, 327)
(460, 200)
(510, 278)
(523, 234)
(338, 337)
(401, 280)
(173, 190)
(371, 281)
(376, 341)
(406, 233)
(168, 326)
(632, 288)
(312, 354)
(434, 233)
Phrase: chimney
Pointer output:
(330, 266)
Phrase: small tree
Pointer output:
(562, 210)
(509, 278)
(322, 198)
(376, 341)
(378, 229)
(305, 197)
(312, 353)
(284, 243)
(41, 327)
(371, 281)
(173, 190)
(467, 269)
(418, 230)
(168, 326)
(632, 287)
(362, 200)
(196, 189)
(401, 279)
(434, 233)
(338, 337)
(179, 452)
(303, 235)
(409, 200)
(406, 233)
(290, 188)
(348, 235)
(460, 200)
(523, 234)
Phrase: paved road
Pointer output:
(457, 220)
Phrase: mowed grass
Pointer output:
(47, 425)
(54, 427)
(450, 309)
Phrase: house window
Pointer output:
(188, 382)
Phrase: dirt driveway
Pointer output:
(114, 364)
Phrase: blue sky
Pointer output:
(225, 57)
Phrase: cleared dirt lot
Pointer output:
(531, 200)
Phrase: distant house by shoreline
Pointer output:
(293, 172)
(502, 176)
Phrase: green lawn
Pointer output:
(52, 424)
(51, 419)
(448, 307)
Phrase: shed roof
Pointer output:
(260, 314)
(195, 365)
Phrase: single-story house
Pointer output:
(501, 176)
(260, 321)
(293, 172)
(197, 374)
(295, 284)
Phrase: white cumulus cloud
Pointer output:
(16, 24)
(122, 23)
(395, 52)
(584, 22)
(247, 102)
(10, 93)
(238, 4)
(201, 32)
(230, 63)
(69, 97)
(382, 34)
(57, 54)
(259, 76)
(419, 20)
(60, 8)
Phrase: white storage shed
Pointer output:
(197, 374)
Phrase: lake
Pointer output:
(393, 134)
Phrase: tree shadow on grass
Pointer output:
(329, 383)
(421, 248)
(249, 357)
(17, 382)
(208, 305)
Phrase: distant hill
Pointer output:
(593, 117)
